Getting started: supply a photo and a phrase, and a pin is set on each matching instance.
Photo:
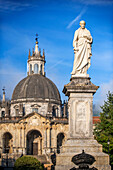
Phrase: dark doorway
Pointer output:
(35, 148)
(34, 142)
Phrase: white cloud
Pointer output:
(54, 65)
(10, 75)
(101, 96)
(106, 60)
(13, 6)
(97, 2)
(77, 18)
(105, 87)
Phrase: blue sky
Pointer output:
(55, 22)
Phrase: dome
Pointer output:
(36, 87)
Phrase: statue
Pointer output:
(82, 50)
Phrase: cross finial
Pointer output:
(36, 38)
(3, 89)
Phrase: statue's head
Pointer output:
(82, 24)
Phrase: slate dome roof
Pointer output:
(36, 87)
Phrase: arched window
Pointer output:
(7, 143)
(41, 69)
(36, 68)
(3, 113)
(30, 68)
(35, 110)
(60, 138)
(55, 111)
(16, 107)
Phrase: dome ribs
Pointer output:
(36, 87)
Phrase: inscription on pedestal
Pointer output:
(81, 111)
(80, 124)
(80, 118)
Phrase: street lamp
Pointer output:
(108, 142)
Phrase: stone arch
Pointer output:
(2, 113)
(55, 111)
(16, 107)
(34, 142)
(35, 68)
(7, 142)
(60, 139)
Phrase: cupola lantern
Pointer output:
(36, 61)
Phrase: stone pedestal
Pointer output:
(80, 91)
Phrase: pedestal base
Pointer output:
(75, 146)
(80, 75)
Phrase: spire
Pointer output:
(43, 54)
(40, 51)
(3, 99)
(29, 52)
(36, 46)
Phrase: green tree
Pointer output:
(103, 131)
(28, 163)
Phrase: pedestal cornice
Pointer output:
(80, 85)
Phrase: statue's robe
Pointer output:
(82, 49)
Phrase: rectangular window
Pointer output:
(35, 110)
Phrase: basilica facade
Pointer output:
(35, 122)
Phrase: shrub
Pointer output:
(28, 163)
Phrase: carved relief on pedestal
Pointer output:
(80, 124)
(80, 118)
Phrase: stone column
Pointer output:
(64, 110)
(20, 137)
(48, 139)
(41, 145)
(53, 139)
(50, 136)
(24, 150)
(15, 138)
(45, 140)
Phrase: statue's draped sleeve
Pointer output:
(90, 39)
(75, 39)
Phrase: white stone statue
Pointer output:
(82, 50)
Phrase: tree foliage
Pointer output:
(104, 130)
(28, 163)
